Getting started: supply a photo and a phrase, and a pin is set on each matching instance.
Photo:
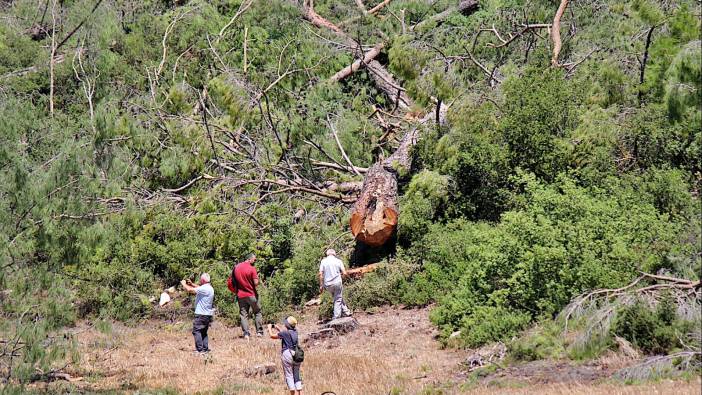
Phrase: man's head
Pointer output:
(204, 278)
(251, 258)
(290, 322)
(331, 252)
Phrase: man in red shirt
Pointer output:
(246, 281)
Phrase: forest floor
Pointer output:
(393, 351)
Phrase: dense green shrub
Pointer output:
(560, 241)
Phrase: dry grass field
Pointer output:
(393, 352)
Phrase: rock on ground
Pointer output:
(259, 370)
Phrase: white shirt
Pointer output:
(331, 268)
(204, 299)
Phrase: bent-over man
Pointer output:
(204, 310)
(331, 269)
(246, 281)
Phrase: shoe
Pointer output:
(259, 335)
(246, 337)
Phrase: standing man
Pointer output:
(204, 310)
(245, 281)
(330, 271)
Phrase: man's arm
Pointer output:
(188, 286)
(343, 268)
(270, 331)
(255, 278)
(321, 281)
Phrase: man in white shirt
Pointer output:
(204, 310)
(331, 269)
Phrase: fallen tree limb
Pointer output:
(242, 8)
(189, 183)
(358, 63)
(378, 7)
(381, 77)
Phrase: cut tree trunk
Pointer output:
(375, 213)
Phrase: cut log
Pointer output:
(360, 271)
(367, 58)
(374, 215)
(343, 325)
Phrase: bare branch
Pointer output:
(341, 148)
(242, 8)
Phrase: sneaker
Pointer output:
(246, 337)
(259, 335)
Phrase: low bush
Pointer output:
(653, 331)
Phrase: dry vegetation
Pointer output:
(394, 351)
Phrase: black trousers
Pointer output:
(201, 324)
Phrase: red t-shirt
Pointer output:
(245, 275)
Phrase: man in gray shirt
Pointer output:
(331, 269)
(204, 310)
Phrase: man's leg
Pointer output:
(197, 326)
(256, 307)
(297, 378)
(335, 291)
(344, 309)
(244, 315)
(205, 338)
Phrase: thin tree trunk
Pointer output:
(643, 62)
(51, 57)
(556, 32)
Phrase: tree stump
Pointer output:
(342, 325)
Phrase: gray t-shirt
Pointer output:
(331, 268)
(204, 300)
